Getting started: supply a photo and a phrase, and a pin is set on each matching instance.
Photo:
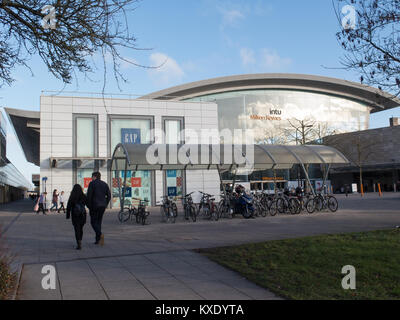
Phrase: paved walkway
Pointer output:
(155, 261)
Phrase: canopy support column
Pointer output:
(308, 178)
(221, 182)
(124, 185)
(328, 167)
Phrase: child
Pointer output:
(61, 198)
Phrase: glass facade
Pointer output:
(173, 179)
(85, 137)
(268, 112)
(17, 171)
(85, 147)
(131, 130)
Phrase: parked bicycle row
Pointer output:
(232, 203)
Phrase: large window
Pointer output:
(173, 179)
(85, 146)
(268, 112)
(131, 130)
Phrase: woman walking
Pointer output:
(55, 200)
(76, 209)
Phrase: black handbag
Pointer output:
(79, 210)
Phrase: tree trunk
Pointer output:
(361, 181)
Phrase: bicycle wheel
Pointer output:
(173, 212)
(163, 214)
(293, 206)
(221, 209)
(123, 216)
(310, 206)
(144, 217)
(319, 203)
(174, 209)
(263, 210)
(193, 213)
(273, 208)
(214, 212)
(281, 206)
(206, 211)
(332, 204)
(138, 216)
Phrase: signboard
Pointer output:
(86, 182)
(172, 191)
(128, 192)
(354, 187)
(44, 179)
(130, 136)
(272, 178)
(171, 173)
(136, 182)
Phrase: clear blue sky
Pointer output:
(201, 39)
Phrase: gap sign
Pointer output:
(130, 136)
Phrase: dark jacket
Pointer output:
(82, 200)
(98, 195)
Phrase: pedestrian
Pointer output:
(61, 198)
(98, 196)
(42, 201)
(76, 209)
(347, 190)
(54, 200)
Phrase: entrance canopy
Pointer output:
(136, 157)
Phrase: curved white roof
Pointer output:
(370, 96)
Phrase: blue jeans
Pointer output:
(54, 205)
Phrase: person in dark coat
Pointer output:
(76, 209)
(99, 197)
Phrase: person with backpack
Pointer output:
(76, 209)
(98, 196)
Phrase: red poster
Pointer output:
(179, 182)
(86, 182)
(136, 182)
(115, 182)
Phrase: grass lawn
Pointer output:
(310, 268)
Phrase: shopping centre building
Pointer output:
(78, 134)
(15, 166)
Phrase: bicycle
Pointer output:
(260, 208)
(226, 206)
(125, 214)
(207, 207)
(189, 207)
(140, 213)
(168, 209)
(287, 204)
(323, 202)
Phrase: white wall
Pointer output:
(56, 138)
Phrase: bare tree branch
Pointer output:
(373, 46)
(83, 29)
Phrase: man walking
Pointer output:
(98, 196)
